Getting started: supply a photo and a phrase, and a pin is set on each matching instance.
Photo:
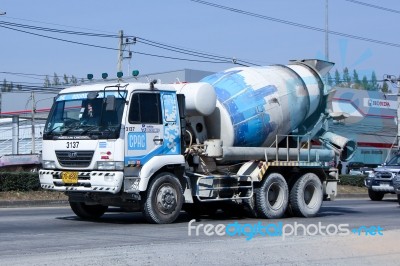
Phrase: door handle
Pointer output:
(157, 139)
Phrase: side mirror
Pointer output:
(110, 103)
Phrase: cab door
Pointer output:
(144, 130)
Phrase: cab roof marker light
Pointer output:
(135, 73)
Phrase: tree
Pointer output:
(365, 83)
(10, 86)
(346, 77)
(385, 87)
(46, 82)
(74, 80)
(66, 79)
(4, 86)
(329, 78)
(337, 78)
(356, 80)
(56, 80)
(374, 82)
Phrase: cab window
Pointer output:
(145, 109)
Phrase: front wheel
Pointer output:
(375, 195)
(272, 197)
(89, 212)
(306, 196)
(164, 199)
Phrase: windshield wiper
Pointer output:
(69, 129)
(51, 131)
(90, 128)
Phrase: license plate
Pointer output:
(385, 184)
(69, 177)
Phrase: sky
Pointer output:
(193, 26)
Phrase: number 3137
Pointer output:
(72, 144)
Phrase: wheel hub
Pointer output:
(166, 199)
(275, 196)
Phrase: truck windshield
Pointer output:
(395, 160)
(75, 114)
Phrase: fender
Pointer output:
(155, 164)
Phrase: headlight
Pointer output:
(371, 174)
(49, 164)
(105, 165)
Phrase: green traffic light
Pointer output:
(120, 74)
(135, 73)
(104, 75)
(89, 76)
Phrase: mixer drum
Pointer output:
(255, 104)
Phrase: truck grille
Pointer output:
(387, 175)
(74, 158)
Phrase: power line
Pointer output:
(58, 30)
(219, 59)
(374, 6)
(175, 48)
(287, 22)
(109, 48)
(62, 25)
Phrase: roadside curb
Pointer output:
(362, 196)
(33, 203)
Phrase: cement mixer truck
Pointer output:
(251, 137)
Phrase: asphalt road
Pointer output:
(55, 236)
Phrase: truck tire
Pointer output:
(164, 199)
(272, 197)
(306, 196)
(249, 205)
(375, 195)
(89, 212)
(398, 198)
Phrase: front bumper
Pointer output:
(379, 185)
(383, 189)
(93, 181)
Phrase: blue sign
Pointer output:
(137, 141)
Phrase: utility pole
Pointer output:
(33, 122)
(326, 31)
(120, 50)
(398, 114)
(122, 47)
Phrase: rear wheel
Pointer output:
(272, 197)
(306, 196)
(164, 199)
(375, 195)
(89, 212)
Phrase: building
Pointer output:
(369, 118)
